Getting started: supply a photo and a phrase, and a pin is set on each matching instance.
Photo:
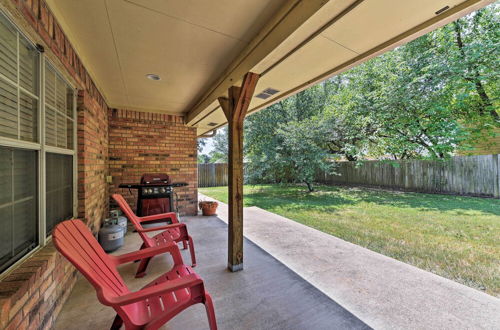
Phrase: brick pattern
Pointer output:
(33, 296)
(92, 132)
(141, 142)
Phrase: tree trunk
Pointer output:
(486, 104)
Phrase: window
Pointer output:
(34, 159)
(18, 204)
(59, 189)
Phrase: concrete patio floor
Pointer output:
(265, 295)
(381, 291)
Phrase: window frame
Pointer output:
(40, 147)
(55, 150)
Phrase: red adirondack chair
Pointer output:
(175, 232)
(148, 308)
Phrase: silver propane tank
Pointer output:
(122, 220)
(111, 235)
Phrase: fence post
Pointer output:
(496, 166)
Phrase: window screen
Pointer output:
(59, 189)
(58, 110)
(18, 204)
(19, 63)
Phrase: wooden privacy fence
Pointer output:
(461, 175)
(212, 175)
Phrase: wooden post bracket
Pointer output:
(235, 108)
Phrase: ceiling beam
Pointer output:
(289, 18)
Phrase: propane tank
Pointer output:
(111, 235)
(122, 220)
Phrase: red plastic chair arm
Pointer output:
(174, 225)
(171, 247)
(170, 215)
(168, 286)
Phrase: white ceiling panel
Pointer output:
(187, 43)
(374, 22)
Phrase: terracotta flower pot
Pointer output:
(208, 208)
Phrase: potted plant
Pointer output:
(208, 207)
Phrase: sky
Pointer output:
(208, 147)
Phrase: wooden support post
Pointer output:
(235, 108)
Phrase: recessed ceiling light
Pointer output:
(153, 76)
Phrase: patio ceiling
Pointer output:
(187, 43)
(200, 48)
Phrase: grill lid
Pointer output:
(155, 178)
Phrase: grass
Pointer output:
(452, 236)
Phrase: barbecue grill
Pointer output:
(155, 194)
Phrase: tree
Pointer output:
(428, 98)
(346, 123)
(220, 151)
(414, 108)
(474, 58)
(203, 159)
(200, 144)
(283, 143)
(301, 153)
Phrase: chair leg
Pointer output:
(184, 245)
(141, 271)
(191, 251)
(117, 323)
(142, 247)
(209, 306)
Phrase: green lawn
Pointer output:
(455, 237)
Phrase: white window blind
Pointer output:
(59, 113)
(19, 67)
(9, 105)
(8, 50)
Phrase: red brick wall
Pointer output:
(33, 295)
(92, 161)
(141, 142)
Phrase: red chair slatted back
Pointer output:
(76, 242)
(122, 203)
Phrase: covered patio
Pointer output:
(268, 295)
(96, 93)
